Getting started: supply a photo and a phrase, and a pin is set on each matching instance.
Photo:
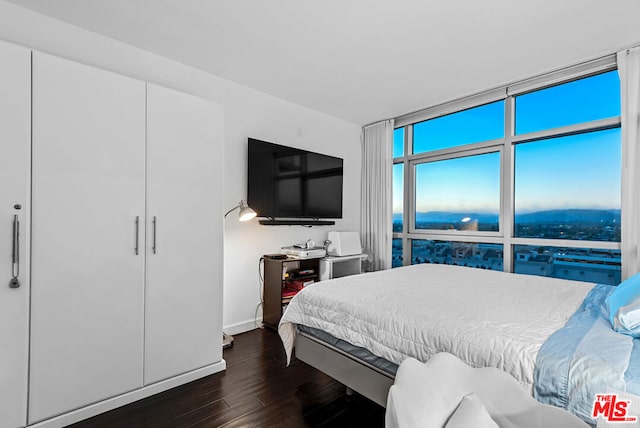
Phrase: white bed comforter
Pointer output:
(485, 318)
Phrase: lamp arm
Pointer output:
(229, 212)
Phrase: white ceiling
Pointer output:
(363, 60)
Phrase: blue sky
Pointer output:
(579, 171)
(447, 185)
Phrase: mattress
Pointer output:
(356, 352)
(485, 318)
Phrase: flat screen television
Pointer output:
(293, 183)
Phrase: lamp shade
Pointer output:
(245, 214)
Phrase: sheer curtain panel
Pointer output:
(376, 220)
(629, 69)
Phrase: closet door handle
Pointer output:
(155, 233)
(15, 254)
(136, 249)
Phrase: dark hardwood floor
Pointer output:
(256, 390)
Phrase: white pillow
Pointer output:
(471, 413)
(623, 304)
(627, 319)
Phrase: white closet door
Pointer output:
(183, 329)
(87, 281)
(15, 129)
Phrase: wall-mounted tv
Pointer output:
(286, 182)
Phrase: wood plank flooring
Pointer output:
(256, 390)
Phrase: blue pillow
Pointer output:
(624, 307)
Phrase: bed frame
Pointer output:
(358, 375)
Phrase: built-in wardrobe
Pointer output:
(112, 229)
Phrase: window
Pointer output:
(579, 101)
(468, 254)
(569, 187)
(527, 180)
(398, 142)
(398, 196)
(396, 253)
(473, 125)
(458, 194)
(581, 264)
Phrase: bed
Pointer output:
(545, 332)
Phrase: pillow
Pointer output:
(623, 305)
(471, 413)
(627, 320)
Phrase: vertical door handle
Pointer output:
(155, 232)
(15, 254)
(136, 249)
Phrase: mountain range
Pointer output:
(547, 216)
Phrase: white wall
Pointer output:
(248, 113)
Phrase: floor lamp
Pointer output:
(245, 214)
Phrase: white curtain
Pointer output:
(376, 206)
(629, 70)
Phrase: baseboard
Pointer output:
(243, 326)
(115, 402)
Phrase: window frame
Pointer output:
(506, 146)
(450, 154)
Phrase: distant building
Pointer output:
(599, 266)
(492, 256)
(530, 262)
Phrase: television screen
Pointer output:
(289, 182)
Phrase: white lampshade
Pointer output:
(245, 214)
